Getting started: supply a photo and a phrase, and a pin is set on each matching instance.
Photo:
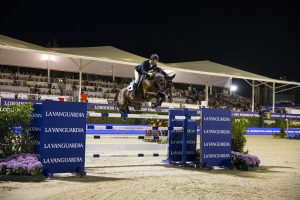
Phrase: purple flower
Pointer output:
(38, 164)
(29, 159)
(10, 165)
(240, 159)
(247, 160)
(18, 164)
(30, 168)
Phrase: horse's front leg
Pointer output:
(150, 95)
(161, 98)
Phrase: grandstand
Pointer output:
(29, 71)
(100, 90)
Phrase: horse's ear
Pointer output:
(172, 77)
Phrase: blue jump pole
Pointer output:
(184, 139)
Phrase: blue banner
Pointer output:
(270, 131)
(292, 132)
(175, 136)
(35, 126)
(245, 114)
(90, 106)
(261, 131)
(191, 136)
(215, 137)
(284, 116)
(177, 151)
(281, 105)
(62, 139)
(5, 101)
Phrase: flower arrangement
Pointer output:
(21, 164)
(243, 161)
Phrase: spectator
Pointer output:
(16, 95)
(39, 96)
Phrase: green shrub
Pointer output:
(281, 134)
(238, 134)
(12, 116)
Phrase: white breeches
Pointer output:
(137, 76)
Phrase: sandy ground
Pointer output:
(148, 178)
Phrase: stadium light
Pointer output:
(233, 88)
(48, 57)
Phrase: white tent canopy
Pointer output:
(110, 61)
(214, 69)
(106, 60)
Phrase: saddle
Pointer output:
(130, 86)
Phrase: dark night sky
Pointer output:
(257, 36)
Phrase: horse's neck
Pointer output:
(148, 84)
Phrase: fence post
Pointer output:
(184, 139)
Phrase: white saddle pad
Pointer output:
(130, 86)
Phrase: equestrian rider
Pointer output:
(143, 69)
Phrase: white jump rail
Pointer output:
(137, 116)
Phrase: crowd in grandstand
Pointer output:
(68, 86)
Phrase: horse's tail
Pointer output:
(116, 97)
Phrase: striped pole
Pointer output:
(99, 127)
(140, 137)
(125, 147)
(124, 155)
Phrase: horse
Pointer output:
(149, 89)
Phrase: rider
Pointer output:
(143, 69)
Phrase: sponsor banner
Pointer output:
(292, 132)
(35, 126)
(277, 106)
(62, 143)
(277, 115)
(93, 106)
(90, 106)
(191, 136)
(270, 131)
(284, 116)
(261, 131)
(177, 137)
(244, 114)
(6, 101)
(292, 116)
(272, 115)
(215, 135)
